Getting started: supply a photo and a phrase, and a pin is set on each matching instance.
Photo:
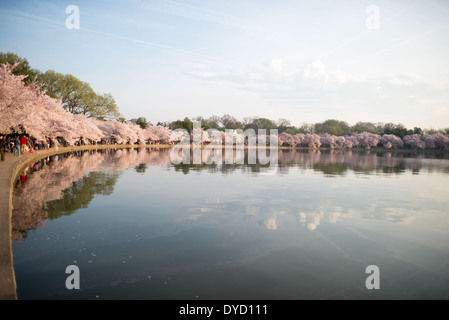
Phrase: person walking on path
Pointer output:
(17, 146)
(2, 148)
(24, 143)
(11, 144)
(8, 143)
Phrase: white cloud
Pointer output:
(276, 65)
(315, 70)
(408, 80)
(320, 91)
(275, 77)
(205, 75)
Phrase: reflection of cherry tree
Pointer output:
(333, 162)
(29, 198)
(59, 174)
(340, 161)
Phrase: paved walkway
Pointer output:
(7, 279)
(9, 170)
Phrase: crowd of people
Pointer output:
(19, 144)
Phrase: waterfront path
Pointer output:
(9, 171)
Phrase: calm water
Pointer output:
(140, 228)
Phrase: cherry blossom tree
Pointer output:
(351, 141)
(390, 141)
(286, 139)
(28, 108)
(328, 140)
(17, 101)
(367, 140)
(442, 141)
(414, 142)
(159, 133)
(312, 140)
(298, 139)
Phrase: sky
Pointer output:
(305, 60)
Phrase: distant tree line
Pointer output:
(331, 126)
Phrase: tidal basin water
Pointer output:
(139, 227)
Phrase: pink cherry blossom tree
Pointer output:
(367, 140)
(390, 141)
(28, 108)
(312, 141)
(414, 142)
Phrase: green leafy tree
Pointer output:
(284, 124)
(261, 123)
(417, 130)
(214, 121)
(23, 69)
(78, 97)
(187, 124)
(50, 81)
(370, 127)
(230, 122)
(175, 125)
(141, 121)
(205, 123)
(306, 128)
(398, 130)
(332, 126)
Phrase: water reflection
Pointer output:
(334, 162)
(339, 162)
(145, 228)
(73, 180)
(61, 184)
